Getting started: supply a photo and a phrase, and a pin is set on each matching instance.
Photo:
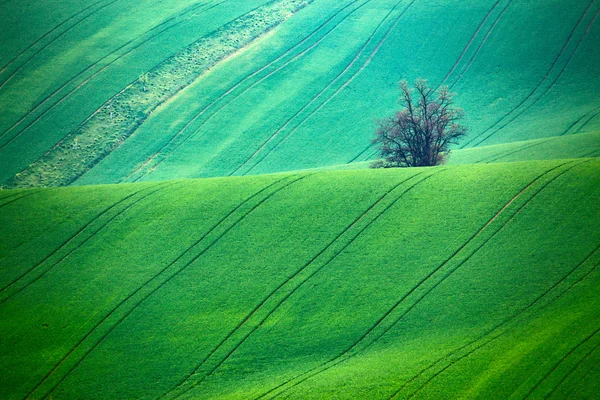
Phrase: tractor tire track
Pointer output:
(5, 67)
(5, 297)
(172, 140)
(394, 202)
(12, 200)
(70, 239)
(535, 101)
(152, 36)
(578, 120)
(330, 85)
(137, 303)
(340, 357)
(587, 122)
(464, 52)
(544, 78)
(464, 71)
(132, 129)
(583, 342)
(293, 289)
(573, 369)
(520, 312)
(501, 155)
(3, 84)
(453, 68)
(502, 324)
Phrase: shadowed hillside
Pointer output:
(114, 92)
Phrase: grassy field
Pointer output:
(291, 269)
(475, 280)
(281, 100)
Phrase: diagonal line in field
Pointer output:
(590, 119)
(342, 87)
(52, 41)
(4, 297)
(389, 206)
(573, 369)
(535, 101)
(343, 356)
(152, 36)
(281, 289)
(506, 153)
(471, 40)
(544, 79)
(584, 341)
(502, 324)
(180, 132)
(70, 239)
(521, 311)
(47, 34)
(468, 46)
(14, 200)
(137, 302)
(489, 33)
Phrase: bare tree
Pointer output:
(420, 134)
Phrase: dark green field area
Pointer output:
(113, 91)
(458, 281)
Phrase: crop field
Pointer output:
(256, 88)
(187, 209)
(315, 300)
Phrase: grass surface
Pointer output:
(475, 281)
(303, 96)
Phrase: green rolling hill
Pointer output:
(186, 208)
(477, 281)
(273, 86)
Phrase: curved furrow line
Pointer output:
(573, 369)
(2, 69)
(503, 324)
(68, 240)
(513, 317)
(3, 84)
(346, 354)
(577, 121)
(152, 36)
(144, 296)
(501, 155)
(280, 289)
(468, 46)
(12, 197)
(583, 342)
(316, 97)
(593, 153)
(544, 78)
(339, 90)
(387, 208)
(370, 146)
(483, 42)
(163, 283)
(590, 370)
(535, 101)
(4, 297)
(142, 115)
(239, 84)
(588, 121)
(76, 235)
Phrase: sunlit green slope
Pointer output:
(457, 281)
(113, 93)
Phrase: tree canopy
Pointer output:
(421, 133)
